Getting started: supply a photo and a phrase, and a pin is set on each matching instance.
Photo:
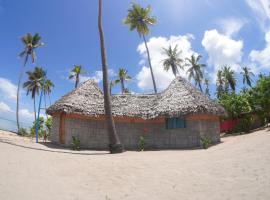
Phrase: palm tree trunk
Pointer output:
(35, 109)
(77, 80)
(18, 94)
(115, 145)
(50, 99)
(150, 65)
(45, 103)
(122, 86)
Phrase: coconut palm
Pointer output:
(220, 84)
(247, 74)
(75, 73)
(173, 60)
(122, 77)
(115, 145)
(207, 91)
(195, 71)
(139, 19)
(48, 85)
(31, 43)
(34, 83)
(229, 78)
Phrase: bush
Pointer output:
(206, 142)
(23, 132)
(76, 143)
(244, 125)
(142, 143)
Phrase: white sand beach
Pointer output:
(238, 168)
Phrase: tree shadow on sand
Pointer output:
(53, 148)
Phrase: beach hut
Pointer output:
(176, 118)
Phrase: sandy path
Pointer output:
(239, 168)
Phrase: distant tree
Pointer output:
(247, 74)
(31, 43)
(229, 78)
(122, 77)
(207, 91)
(48, 85)
(34, 84)
(75, 73)
(195, 71)
(220, 84)
(139, 19)
(112, 84)
(115, 145)
(173, 60)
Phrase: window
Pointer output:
(173, 123)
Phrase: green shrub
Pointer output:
(23, 132)
(76, 143)
(142, 143)
(244, 125)
(206, 142)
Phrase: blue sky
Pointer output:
(223, 32)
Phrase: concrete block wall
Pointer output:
(93, 134)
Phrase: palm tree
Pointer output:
(220, 84)
(75, 73)
(48, 85)
(138, 19)
(34, 83)
(115, 143)
(31, 43)
(195, 71)
(247, 74)
(207, 91)
(122, 77)
(173, 60)
(112, 84)
(229, 78)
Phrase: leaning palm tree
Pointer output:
(195, 71)
(34, 83)
(115, 145)
(173, 60)
(75, 73)
(247, 74)
(31, 43)
(122, 77)
(229, 78)
(138, 19)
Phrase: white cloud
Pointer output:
(262, 57)
(4, 107)
(231, 26)
(8, 89)
(222, 50)
(98, 76)
(25, 113)
(162, 77)
(262, 11)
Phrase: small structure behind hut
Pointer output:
(173, 119)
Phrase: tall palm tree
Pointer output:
(48, 85)
(122, 77)
(207, 91)
(173, 60)
(31, 43)
(195, 71)
(75, 73)
(247, 74)
(139, 19)
(220, 84)
(34, 83)
(115, 143)
(229, 78)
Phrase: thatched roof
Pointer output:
(179, 99)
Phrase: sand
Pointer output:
(238, 168)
